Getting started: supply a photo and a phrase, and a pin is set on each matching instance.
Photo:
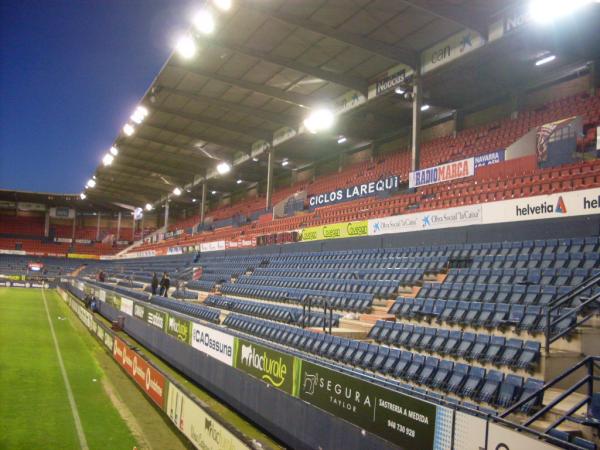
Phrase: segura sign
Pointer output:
(403, 420)
(336, 230)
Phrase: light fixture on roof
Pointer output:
(108, 159)
(128, 129)
(91, 183)
(82, 196)
(239, 182)
(223, 5)
(204, 22)
(193, 200)
(186, 47)
(114, 151)
(547, 11)
(399, 90)
(425, 107)
(223, 168)
(285, 162)
(213, 192)
(341, 139)
(148, 207)
(319, 120)
(255, 159)
(545, 60)
(139, 114)
(177, 191)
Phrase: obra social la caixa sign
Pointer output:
(146, 376)
(275, 368)
(403, 420)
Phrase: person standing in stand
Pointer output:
(167, 284)
(154, 283)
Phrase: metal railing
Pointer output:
(591, 303)
(591, 365)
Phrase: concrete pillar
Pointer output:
(46, 224)
(515, 104)
(203, 203)
(166, 215)
(458, 118)
(133, 228)
(98, 228)
(118, 225)
(341, 162)
(142, 229)
(269, 179)
(594, 76)
(415, 158)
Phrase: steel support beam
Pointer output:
(276, 118)
(119, 225)
(391, 52)
(166, 215)
(269, 178)
(415, 159)
(452, 13)
(203, 204)
(300, 100)
(347, 81)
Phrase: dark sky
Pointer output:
(71, 73)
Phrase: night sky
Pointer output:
(71, 73)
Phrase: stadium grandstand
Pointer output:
(354, 225)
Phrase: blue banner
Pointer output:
(488, 159)
(382, 186)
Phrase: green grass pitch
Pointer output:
(34, 406)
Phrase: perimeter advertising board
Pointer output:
(155, 317)
(127, 306)
(403, 420)
(213, 343)
(146, 376)
(503, 438)
(336, 231)
(179, 329)
(439, 174)
(273, 367)
(200, 428)
(385, 185)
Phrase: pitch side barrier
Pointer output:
(304, 401)
(186, 411)
(27, 284)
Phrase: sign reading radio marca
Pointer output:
(336, 230)
(213, 343)
(403, 420)
(146, 376)
(439, 174)
(389, 184)
(199, 427)
(267, 364)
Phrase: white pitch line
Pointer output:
(78, 426)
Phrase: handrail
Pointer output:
(566, 299)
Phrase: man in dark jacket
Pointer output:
(167, 284)
(154, 283)
(162, 284)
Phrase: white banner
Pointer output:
(439, 174)
(127, 306)
(200, 428)
(62, 212)
(553, 206)
(428, 220)
(212, 246)
(469, 431)
(213, 343)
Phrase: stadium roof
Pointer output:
(269, 63)
(8, 196)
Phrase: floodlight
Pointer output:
(82, 196)
(341, 139)
(91, 183)
(177, 191)
(128, 129)
(193, 200)
(547, 11)
(319, 120)
(223, 168)
(285, 162)
(204, 22)
(223, 5)
(114, 151)
(425, 107)
(213, 192)
(108, 159)
(186, 47)
(545, 60)
(255, 159)
(399, 91)
(239, 181)
(148, 207)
